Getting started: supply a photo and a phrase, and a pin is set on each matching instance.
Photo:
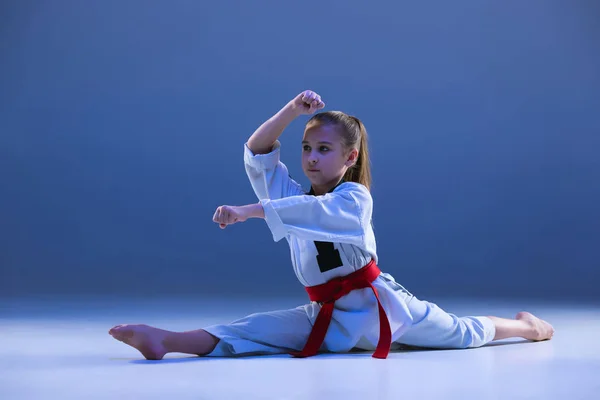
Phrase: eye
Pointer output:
(306, 147)
(324, 148)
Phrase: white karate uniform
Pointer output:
(331, 236)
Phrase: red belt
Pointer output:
(331, 291)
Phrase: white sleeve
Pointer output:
(340, 216)
(269, 177)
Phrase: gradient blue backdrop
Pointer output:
(122, 127)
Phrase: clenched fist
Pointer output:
(307, 102)
(228, 215)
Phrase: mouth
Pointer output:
(313, 170)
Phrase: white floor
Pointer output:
(51, 349)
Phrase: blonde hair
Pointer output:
(354, 135)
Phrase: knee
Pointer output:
(470, 333)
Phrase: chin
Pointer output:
(314, 183)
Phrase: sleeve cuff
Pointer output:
(262, 161)
(273, 221)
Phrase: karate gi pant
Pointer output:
(354, 325)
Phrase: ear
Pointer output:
(352, 157)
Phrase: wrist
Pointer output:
(253, 210)
(290, 111)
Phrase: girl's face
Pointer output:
(324, 159)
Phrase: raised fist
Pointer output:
(307, 102)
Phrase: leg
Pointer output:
(273, 332)
(525, 325)
(435, 328)
(154, 343)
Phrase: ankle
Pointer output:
(171, 342)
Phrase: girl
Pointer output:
(333, 249)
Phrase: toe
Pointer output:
(114, 329)
(122, 333)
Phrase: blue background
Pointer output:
(122, 127)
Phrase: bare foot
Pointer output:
(540, 329)
(148, 340)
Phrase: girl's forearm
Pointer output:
(262, 140)
(255, 210)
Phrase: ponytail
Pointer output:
(360, 172)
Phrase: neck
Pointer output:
(319, 190)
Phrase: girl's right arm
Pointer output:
(268, 175)
(263, 139)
